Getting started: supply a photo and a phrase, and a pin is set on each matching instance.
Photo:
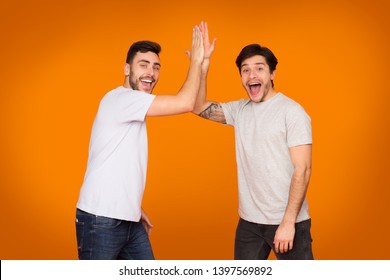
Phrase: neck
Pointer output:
(271, 93)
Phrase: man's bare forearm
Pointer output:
(214, 112)
(298, 188)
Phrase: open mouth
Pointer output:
(147, 83)
(254, 88)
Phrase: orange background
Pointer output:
(58, 58)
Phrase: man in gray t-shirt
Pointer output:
(273, 149)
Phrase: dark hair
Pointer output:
(142, 46)
(255, 49)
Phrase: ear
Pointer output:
(126, 69)
(273, 75)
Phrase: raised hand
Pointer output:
(197, 50)
(208, 48)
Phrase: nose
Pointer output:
(252, 74)
(150, 71)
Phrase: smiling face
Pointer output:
(257, 79)
(143, 73)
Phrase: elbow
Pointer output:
(186, 103)
(184, 108)
(306, 173)
(189, 107)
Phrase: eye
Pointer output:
(244, 70)
(143, 65)
(156, 68)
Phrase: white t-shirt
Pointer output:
(263, 133)
(114, 181)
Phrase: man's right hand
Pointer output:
(197, 49)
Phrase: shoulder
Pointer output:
(290, 105)
(235, 104)
(287, 100)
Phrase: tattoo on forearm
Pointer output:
(214, 112)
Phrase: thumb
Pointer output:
(188, 53)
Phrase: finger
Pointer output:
(201, 26)
(276, 247)
(281, 247)
(196, 35)
(193, 36)
(205, 34)
(147, 222)
(286, 245)
(290, 247)
(213, 43)
(194, 39)
(199, 41)
(206, 30)
(148, 230)
(147, 227)
(200, 37)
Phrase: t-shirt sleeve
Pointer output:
(299, 130)
(133, 106)
(230, 110)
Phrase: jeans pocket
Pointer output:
(107, 223)
(302, 229)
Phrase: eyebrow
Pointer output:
(147, 61)
(257, 63)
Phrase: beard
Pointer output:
(136, 84)
(133, 81)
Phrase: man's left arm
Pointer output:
(301, 159)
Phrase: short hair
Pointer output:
(255, 49)
(143, 47)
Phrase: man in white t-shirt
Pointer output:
(273, 154)
(110, 222)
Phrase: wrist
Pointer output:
(205, 64)
(206, 61)
(196, 61)
(289, 219)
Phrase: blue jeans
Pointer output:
(255, 241)
(101, 238)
